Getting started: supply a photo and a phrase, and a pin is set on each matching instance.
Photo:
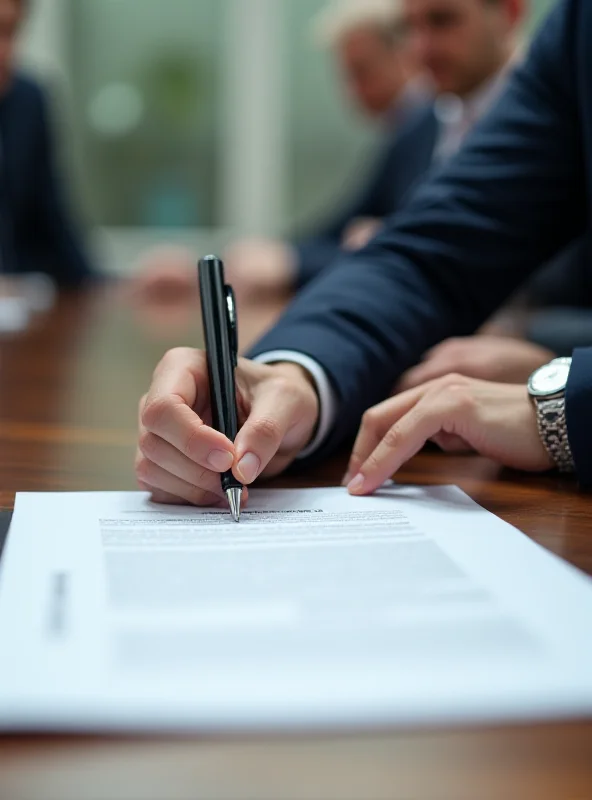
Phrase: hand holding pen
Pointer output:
(182, 457)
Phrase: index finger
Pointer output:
(404, 439)
(178, 394)
(376, 422)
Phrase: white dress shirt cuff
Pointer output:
(326, 393)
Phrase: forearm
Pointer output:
(513, 197)
(313, 255)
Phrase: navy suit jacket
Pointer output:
(36, 231)
(405, 157)
(516, 194)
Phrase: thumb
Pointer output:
(279, 422)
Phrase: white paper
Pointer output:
(319, 609)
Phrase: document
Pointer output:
(318, 610)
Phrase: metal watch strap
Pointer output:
(553, 431)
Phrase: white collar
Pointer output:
(450, 109)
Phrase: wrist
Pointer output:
(295, 372)
(547, 388)
(325, 397)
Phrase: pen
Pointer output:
(220, 332)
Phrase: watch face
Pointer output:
(550, 379)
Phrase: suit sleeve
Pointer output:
(566, 281)
(578, 401)
(513, 197)
(316, 252)
(58, 235)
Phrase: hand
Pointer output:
(180, 457)
(359, 232)
(490, 358)
(457, 413)
(164, 275)
(260, 265)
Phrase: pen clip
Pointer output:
(232, 322)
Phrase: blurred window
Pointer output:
(145, 81)
(151, 83)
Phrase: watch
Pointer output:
(547, 387)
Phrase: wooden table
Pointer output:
(68, 394)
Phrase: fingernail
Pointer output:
(356, 485)
(248, 467)
(220, 460)
(347, 478)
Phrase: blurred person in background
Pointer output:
(464, 49)
(467, 49)
(467, 46)
(37, 233)
(368, 41)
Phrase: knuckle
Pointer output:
(148, 444)
(204, 480)
(178, 358)
(460, 366)
(267, 428)
(155, 411)
(370, 419)
(144, 469)
(372, 465)
(461, 396)
(465, 401)
(392, 438)
(166, 362)
(191, 448)
(446, 350)
(174, 355)
(454, 381)
(355, 462)
(454, 345)
(199, 497)
(289, 386)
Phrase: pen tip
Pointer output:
(234, 501)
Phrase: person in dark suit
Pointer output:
(463, 57)
(466, 46)
(37, 232)
(368, 41)
(517, 193)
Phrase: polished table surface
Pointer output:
(69, 387)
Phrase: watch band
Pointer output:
(553, 432)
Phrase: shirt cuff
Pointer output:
(326, 393)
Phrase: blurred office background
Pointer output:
(190, 120)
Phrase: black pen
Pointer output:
(220, 332)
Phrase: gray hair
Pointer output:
(341, 17)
